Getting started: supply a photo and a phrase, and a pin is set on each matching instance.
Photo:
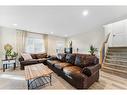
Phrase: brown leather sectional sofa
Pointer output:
(37, 58)
(80, 70)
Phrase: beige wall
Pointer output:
(84, 40)
(52, 43)
(8, 35)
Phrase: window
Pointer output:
(34, 44)
(60, 46)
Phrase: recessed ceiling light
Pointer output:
(51, 32)
(15, 24)
(85, 13)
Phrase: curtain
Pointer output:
(46, 42)
(20, 41)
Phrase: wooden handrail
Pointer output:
(103, 49)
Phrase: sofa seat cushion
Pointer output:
(62, 65)
(71, 70)
(52, 62)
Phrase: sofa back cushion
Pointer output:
(70, 58)
(61, 57)
(91, 60)
(80, 60)
(84, 60)
(40, 56)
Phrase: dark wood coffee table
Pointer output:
(37, 75)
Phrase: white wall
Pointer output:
(8, 35)
(118, 36)
(84, 40)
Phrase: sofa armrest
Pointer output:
(52, 58)
(94, 68)
(29, 61)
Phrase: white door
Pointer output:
(119, 34)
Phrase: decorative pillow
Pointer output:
(80, 61)
(26, 56)
(86, 71)
(70, 58)
(34, 56)
(61, 57)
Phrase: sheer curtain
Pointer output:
(35, 43)
(20, 41)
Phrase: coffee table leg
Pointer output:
(6, 66)
(50, 79)
(14, 66)
(3, 67)
(28, 84)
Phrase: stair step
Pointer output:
(116, 60)
(120, 53)
(115, 56)
(117, 72)
(116, 66)
(117, 47)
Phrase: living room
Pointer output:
(63, 47)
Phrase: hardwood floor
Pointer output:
(109, 81)
(15, 79)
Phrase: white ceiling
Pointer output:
(62, 20)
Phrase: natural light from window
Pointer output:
(34, 44)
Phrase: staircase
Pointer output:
(116, 61)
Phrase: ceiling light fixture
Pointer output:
(85, 13)
(15, 24)
(51, 32)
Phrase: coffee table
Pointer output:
(37, 75)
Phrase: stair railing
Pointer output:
(104, 49)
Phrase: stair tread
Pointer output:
(116, 65)
(112, 56)
(117, 47)
(115, 69)
(116, 60)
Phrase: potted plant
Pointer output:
(8, 48)
(92, 50)
(9, 53)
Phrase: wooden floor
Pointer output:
(15, 79)
(109, 81)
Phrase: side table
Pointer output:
(7, 62)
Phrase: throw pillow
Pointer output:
(70, 58)
(86, 71)
(80, 61)
(26, 56)
(61, 57)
